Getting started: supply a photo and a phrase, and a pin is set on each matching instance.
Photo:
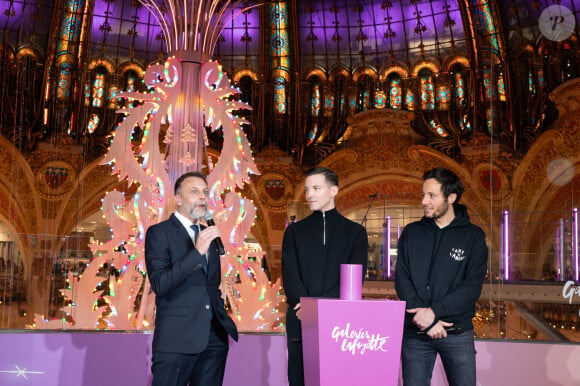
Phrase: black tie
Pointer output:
(195, 228)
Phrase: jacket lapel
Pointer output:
(183, 233)
(179, 228)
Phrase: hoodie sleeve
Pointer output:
(463, 298)
(403, 283)
(291, 278)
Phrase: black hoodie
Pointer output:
(442, 268)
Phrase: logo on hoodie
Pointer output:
(457, 254)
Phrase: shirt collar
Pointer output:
(187, 223)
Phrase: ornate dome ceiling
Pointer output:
(465, 67)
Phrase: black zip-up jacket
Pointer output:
(442, 268)
(312, 251)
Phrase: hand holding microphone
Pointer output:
(218, 241)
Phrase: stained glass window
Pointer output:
(315, 109)
(395, 91)
(99, 88)
(380, 97)
(459, 91)
(410, 100)
(427, 90)
(94, 122)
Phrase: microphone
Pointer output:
(374, 195)
(218, 241)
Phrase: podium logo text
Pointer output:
(358, 341)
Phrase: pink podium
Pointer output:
(351, 342)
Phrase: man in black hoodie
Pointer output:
(312, 251)
(441, 265)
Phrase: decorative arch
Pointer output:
(543, 177)
(315, 72)
(102, 62)
(522, 47)
(452, 60)
(28, 206)
(132, 66)
(240, 73)
(31, 51)
(338, 70)
(19, 212)
(364, 70)
(400, 69)
(425, 64)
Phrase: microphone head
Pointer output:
(209, 219)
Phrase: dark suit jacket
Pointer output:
(184, 292)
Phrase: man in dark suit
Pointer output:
(190, 342)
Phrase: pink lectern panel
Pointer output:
(351, 342)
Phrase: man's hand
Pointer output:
(438, 330)
(205, 237)
(298, 313)
(424, 317)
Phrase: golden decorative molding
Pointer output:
(364, 70)
(382, 121)
(20, 198)
(276, 167)
(396, 192)
(274, 190)
(399, 68)
(274, 162)
(55, 179)
(491, 181)
(277, 220)
(567, 97)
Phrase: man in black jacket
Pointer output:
(441, 265)
(190, 342)
(312, 251)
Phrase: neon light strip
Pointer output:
(385, 253)
(506, 241)
(560, 252)
(575, 242)
(387, 250)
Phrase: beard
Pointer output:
(196, 212)
(439, 212)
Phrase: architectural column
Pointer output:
(63, 83)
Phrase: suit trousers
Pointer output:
(206, 368)
(295, 363)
